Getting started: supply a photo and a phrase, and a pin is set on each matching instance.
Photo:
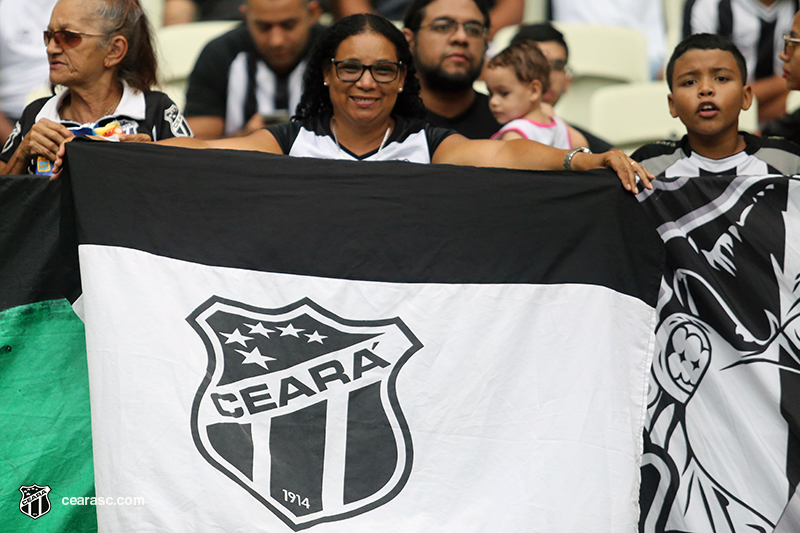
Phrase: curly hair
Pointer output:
(316, 98)
(527, 62)
(127, 18)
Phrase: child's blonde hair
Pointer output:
(527, 62)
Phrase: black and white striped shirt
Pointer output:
(232, 81)
(755, 28)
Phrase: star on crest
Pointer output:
(315, 337)
(236, 337)
(256, 358)
(290, 330)
(259, 329)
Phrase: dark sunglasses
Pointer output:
(67, 39)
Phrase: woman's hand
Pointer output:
(44, 140)
(59, 159)
(626, 168)
(134, 138)
(62, 149)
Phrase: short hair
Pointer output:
(541, 32)
(316, 99)
(416, 13)
(527, 62)
(127, 18)
(706, 41)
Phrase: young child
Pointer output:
(706, 76)
(518, 77)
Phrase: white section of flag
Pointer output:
(525, 403)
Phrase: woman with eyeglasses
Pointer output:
(361, 102)
(101, 51)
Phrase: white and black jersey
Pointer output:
(412, 140)
(670, 159)
(152, 112)
(230, 80)
(755, 28)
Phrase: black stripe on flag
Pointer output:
(29, 254)
(392, 221)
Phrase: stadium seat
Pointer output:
(502, 39)
(154, 9)
(535, 11)
(178, 48)
(629, 116)
(600, 56)
(793, 101)
(673, 18)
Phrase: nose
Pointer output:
(52, 47)
(783, 56)
(706, 88)
(276, 38)
(366, 81)
(460, 35)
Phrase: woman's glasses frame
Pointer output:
(67, 39)
(351, 71)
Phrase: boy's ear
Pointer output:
(747, 97)
(672, 106)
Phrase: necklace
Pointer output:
(336, 138)
(66, 112)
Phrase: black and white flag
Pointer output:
(722, 444)
(281, 344)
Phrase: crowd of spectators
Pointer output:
(252, 76)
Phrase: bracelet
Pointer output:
(571, 154)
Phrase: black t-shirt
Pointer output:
(477, 122)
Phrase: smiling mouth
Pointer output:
(363, 99)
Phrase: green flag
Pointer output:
(46, 445)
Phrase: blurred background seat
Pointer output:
(629, 116)
(178, 47)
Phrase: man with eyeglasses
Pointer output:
(553, 46)
(252, 75)
(448, 42)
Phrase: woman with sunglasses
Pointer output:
(101, 51)
(361, 102)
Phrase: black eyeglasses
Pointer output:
(789, 42)
(448, 26)
(381, 72)
(67, 39)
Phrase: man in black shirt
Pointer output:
(448, 42)
(252, 72)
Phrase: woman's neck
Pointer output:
(361, 139)
(90, 104)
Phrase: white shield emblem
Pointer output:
(299, 407)
(34, 502)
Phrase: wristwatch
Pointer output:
(571, 154)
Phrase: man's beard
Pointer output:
(436, 79)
